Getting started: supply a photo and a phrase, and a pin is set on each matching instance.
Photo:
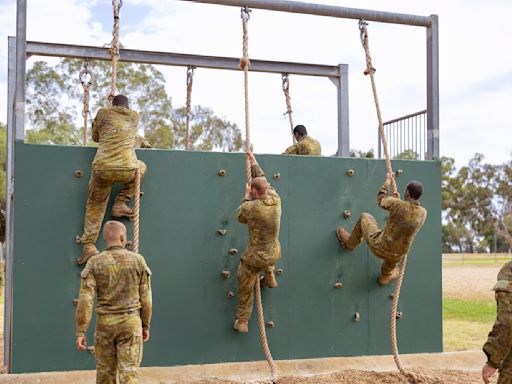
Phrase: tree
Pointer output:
(504, 202)
(370, 154)
(408, 154)
(53, 93)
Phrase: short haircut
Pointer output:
(300, 130)
(260, 184)
(415, 189)
(120, 101)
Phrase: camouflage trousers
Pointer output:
(118, 348)
(367, 228)
(100, 186)
(505, 371)
(248, 277)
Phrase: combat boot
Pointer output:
(269, 280)
(386, 279)
(120, 209)
(88, 251)
(343, 235)
(241, 326)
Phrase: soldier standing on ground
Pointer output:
(122, 282)
(115, 129)
(305, 145)
(406, 217)
(498, 347)
(261, 211)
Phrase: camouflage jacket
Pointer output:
(122, 281)
(404, 221)
(263, 219)
(115, 129)
(499, 341)
(306, 146)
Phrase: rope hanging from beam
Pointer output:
(244, 64)
(412, 377)
(190, 80)
(288, 99)
(85, 77)
(114, 48)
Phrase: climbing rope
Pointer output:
(136, 210)
(286, 91)
(244, 64)
(190, 80)
(370, 70)
(85, 78)
(114, 48)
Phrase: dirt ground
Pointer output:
(469, 281)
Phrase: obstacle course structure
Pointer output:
(328, 302)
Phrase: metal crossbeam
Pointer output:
(179, 59)
(325, 10)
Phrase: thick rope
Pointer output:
(412, 377)
(190, 80)
(286, 91)
(114, 48)
(136, 210)
(85, 78)
(244, 64)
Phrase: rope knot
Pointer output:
(367, 71)
(244, 63)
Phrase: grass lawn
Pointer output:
(466, 323)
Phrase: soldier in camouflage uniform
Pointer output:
(405, 219)
(115, 129)
(122, 282)
(306, 145)
(498, 347)
(261, 211)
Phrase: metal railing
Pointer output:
(406, 136)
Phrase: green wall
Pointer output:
(185, 202)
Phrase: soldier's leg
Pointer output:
(365, 226)
(120, 208)
(269, 279)
(388, 271)
(105, 352)
(97, 200)
(505, 370)
(247, 279)
(129, 349)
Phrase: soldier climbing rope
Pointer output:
(370, 70)
(244, 64)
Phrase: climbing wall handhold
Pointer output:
(357, 317)
(270, 324)
(226, 274)
(78, 239)
(338, 285)
(222, 172)
(279, 271)
(233, 251)
(221, 232)
(346, 214)
(399, 315)
(75, 302)
(231, 294)
(350, 172)
(399, 172)
(276, 176)
(78, 173)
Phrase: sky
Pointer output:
(475, 64)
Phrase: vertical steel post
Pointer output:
(21, 61)
(9, 233)
(343, 118)
(433, 88)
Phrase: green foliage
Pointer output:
(469, 310)
(370, 154)
(408, 154)
(54, 92)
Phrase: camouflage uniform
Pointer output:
(498, 347)
(122, 281)
(263, 218)
(390, 244)
(115, 128)
(305, 146)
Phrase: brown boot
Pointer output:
(343, 235)
(120, 209)
(88, 251)
(386, 279)
(269, 280)
(241, 326)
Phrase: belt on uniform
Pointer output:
(126, 313)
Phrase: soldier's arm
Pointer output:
(383, 200)
(142, 142)
(292, 150)
(85, 301)
(243, 211)
(499, 340)
(146, 299)
(95, 124)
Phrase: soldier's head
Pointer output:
(259, 187)
(114, 233)
(414, 190)
(120, 101)
(299, 132)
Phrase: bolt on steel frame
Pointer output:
(20, 50)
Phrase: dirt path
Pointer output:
(470, 282)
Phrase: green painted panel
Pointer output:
(184, 204)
